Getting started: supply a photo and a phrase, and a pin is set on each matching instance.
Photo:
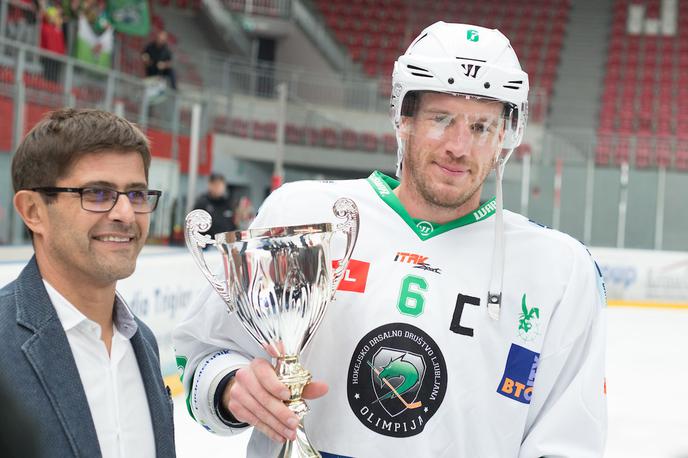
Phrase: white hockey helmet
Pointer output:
(468, 60)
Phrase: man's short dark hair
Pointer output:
(412, 99)
(63, 136)
(217, 177)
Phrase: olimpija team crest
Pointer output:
(528, 321)
(397, 380)
(406, 370)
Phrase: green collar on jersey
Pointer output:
(384, 186)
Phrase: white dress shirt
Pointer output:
(113, 384)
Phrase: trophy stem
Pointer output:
(299, 448)
(295, 377)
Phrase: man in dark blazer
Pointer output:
(73, 356)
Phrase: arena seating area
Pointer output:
(326, 137)
(643, 110)
(644, 107)
(376, 32)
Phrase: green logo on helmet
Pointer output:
(472, 35)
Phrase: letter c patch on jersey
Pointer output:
(519, 374)
(355, 276)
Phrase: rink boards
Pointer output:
(167, 280)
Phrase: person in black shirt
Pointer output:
(218, 203)
(157, 57)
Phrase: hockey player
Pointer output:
(460, 329)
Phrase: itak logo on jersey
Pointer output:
(397, 380)
(355, 276)
(519, 374)
(418, 261)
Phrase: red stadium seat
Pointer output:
(681, 159)
(239, 127)
(622, 150)
(603, 152)
(665, 150)
(643, 151)
(349, 139)
(329, 137)
(295, 135)
(390, 142)
(368, 141)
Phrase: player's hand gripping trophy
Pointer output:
(278, 281)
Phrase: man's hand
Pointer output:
(256, 396)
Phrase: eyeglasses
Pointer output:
(102, 200)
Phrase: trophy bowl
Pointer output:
(278, 281)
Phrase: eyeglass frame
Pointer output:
(80, 191)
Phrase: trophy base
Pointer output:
(300, 447)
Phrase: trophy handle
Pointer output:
(346, 209)
(196, 222)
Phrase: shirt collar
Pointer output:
(71, 317)
(384, 186)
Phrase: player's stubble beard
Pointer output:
(432, 194)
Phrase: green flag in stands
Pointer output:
(93, 48)
(130, 16)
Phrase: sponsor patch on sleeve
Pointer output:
(519, 374)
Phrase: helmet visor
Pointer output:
(455, 122)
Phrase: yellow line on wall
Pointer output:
(174, 383)
(648, 304)
(177, 388)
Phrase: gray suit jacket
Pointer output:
(38, 369)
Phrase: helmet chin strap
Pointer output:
(494, 294)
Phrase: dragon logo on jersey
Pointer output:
(181, 365)
(397, 380)
(528, 321)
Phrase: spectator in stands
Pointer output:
(244, 213)
(96, 13)
(52, 39)
(73, 354)
(219, 204)
(157, 58)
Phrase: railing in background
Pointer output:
(33, 81)
(275, 8)
(20, 22)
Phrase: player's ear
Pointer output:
(404, 129)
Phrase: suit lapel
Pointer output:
(158, 398)
(50, 355)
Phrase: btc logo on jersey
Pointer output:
(519, 374)
(397, 380)
(355, 276)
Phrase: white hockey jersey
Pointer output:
(410, 314)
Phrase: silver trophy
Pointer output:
(278, 281)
